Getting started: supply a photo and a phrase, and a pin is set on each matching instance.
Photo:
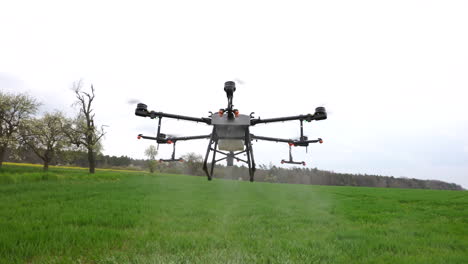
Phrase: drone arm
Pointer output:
(320, 114)
(278, 119)
(140, 136)
(270, 139)
(142, 110)
(181, 117)
(153, 114)
(174, 139)
(308, 117)
(289, 141)
(306, 142)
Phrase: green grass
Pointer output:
(69, 216)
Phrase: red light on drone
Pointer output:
(169, 142)
(139, 137)
(320, 141)
(236, 113)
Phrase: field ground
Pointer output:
(69, 216)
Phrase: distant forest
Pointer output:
(193, 166)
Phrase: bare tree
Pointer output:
(83, 131)
(14, 109)
(45, 136)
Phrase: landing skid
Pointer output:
(291, 161)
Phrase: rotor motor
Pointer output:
(229, 88)
(141, 110)
(320, 113)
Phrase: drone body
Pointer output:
(230, 136)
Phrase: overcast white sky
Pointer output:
(392, 74)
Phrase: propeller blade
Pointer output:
(172, 135)
(133, 101)
(239, 81)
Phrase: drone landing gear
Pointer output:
(229, 156)
(291, 161)
(173, 155)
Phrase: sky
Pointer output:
(393, 75)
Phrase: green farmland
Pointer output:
(69, 216)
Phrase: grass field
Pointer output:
(69, 216)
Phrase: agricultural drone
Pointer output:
(231, 136)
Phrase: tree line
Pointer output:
(52, 134)
(192, 165)
(313, 176)
(78, 158)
